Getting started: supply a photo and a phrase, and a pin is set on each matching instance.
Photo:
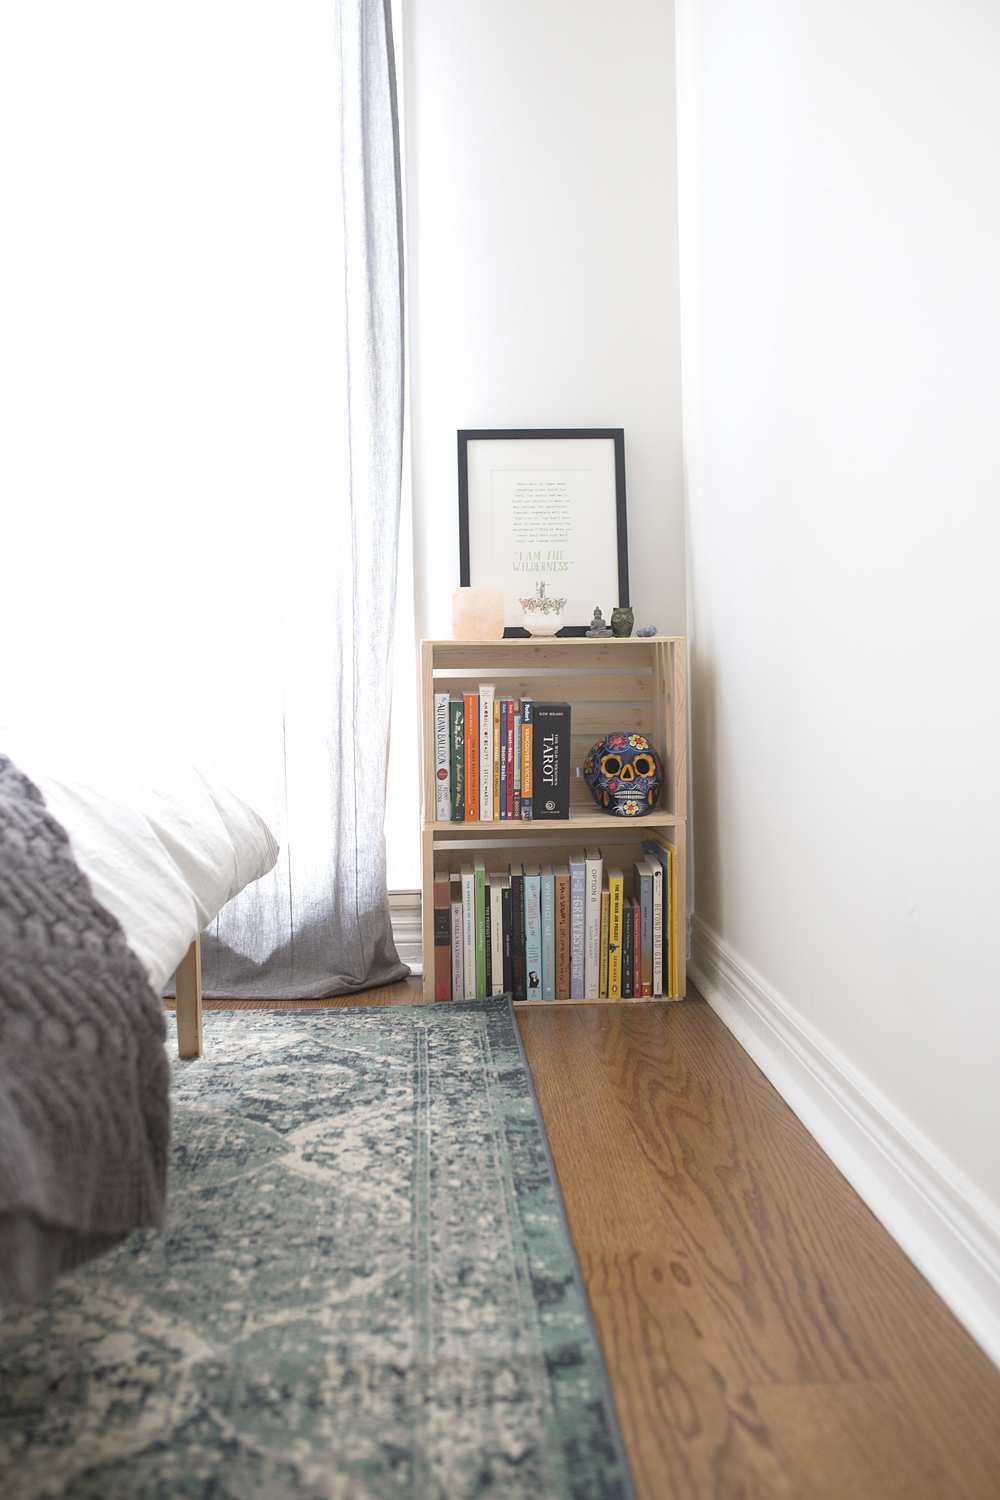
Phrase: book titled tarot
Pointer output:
(551, 761)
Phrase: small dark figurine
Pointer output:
(622, 620)
(598, 629)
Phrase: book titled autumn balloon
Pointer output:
(551, 761)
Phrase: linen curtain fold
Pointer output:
(319, 925)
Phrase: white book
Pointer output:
(496, 932)
(457, 918)
(442, 759)
(657, 869)
(548, 933)
(469, 931)
(593, 871)
(577, 908)
(487, 692)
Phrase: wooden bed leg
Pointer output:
(188, 980)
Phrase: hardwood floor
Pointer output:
(765, 1337)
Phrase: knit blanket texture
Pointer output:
(84, 1111)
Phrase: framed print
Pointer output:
(545, 505)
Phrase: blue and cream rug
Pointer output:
(366, 1288)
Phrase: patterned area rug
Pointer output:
(366, 1287)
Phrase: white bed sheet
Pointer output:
(164, 848)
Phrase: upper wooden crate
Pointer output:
(635, 685)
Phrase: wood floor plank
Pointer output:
(689, 1422)
(854, 1440)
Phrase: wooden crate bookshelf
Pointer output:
(635, 685)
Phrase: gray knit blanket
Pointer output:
(84, 1112)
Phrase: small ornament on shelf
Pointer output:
(622, 620)
(542, 615)
(598, 628)
(646, 631)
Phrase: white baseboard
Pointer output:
(947, 1227)
(407, 933)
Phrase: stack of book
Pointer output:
(497, 759)
(581, 930)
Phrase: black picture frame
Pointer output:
(493, 434)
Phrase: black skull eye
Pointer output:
(611, 765)
(643, 765)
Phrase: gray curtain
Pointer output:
(318, 925)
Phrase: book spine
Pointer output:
(626, 950)
(605, 915)
(486, 696)
(496, 935)
(501, 802)
(457, 714)
(442, 759)
(468, 932)
(642, 884)
(519, 981)
(548, 934)
(471, 758)
(479, 867)
(488, 936)
(577, 906)
(526, 752)
(517, 758)
(615, 935)
(533, 931)
(592, 928)
(562, 931)
(653, 850)
(457, 966)
(551, 761)
(508, 976)
(670, 924)
(637, 948)
(510, 761)
(442, 935)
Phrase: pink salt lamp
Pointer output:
(477, 614)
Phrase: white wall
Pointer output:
(542, 246)
(840, 178)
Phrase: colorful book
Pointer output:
(518, 977)
(479, 866)
(457, 917)
(505, 918)
(592, 926)
(533, 930)
(442, 759)
(517, 758)
(653, 850)
(615, 892)
(550, 768)
(501, 762)
(456, 713)
(486, 694)
(510, 759)
(442, 935)
(526, 753)
(642, 886)
(562, 931)
(605, 915)
(468, 932)
(548, 933)
(637, 948)
(496, 933)
(577, 907)
(627, 949)
(471, 701)
(497, 764)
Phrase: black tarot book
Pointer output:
(550, 761)
(519, 972)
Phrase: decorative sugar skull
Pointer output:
(624, 774)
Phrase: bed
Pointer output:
(108, 875)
